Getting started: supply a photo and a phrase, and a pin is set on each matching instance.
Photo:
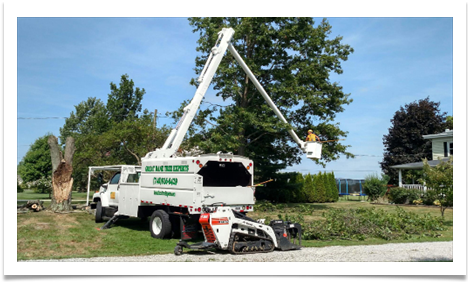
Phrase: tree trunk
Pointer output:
(62, 180)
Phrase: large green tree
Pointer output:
(36, 163)
(117, 132)
(293, 60)
(404, 142)
(89, 117)
(124, 101)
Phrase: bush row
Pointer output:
(293, 187)
(398, 195)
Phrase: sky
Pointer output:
(63, 61)
(59, 54)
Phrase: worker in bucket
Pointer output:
(312, 136)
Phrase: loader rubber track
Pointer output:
(240, 243)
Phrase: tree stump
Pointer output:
(62, 180)
(34, 206)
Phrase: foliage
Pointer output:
(450, 122)
(440, 180)
(36, 164)
(375, 187)
(90, 118)
(292, 59)
(42, 185)
(124, 102)
(309, 188)
(363, 223)
(398, 195)
(118, 132)
(284, 188)
(293, 187)
(404, 142)
(429, 197)
(19, 189)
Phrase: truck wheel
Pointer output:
(160, 225)
(99, 212)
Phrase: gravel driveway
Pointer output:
(403, 252)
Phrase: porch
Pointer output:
(414, 166)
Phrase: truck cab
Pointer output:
(106, 200)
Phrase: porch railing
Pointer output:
(416, 187)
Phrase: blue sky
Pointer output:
(63, 61)
(59, 54)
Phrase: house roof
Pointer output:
(445, 134)
(418, 165)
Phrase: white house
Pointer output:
(442, 149)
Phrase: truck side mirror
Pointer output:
(100, 178)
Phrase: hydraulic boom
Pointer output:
(173, 142)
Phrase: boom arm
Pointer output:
(177, 134)
(264, 94)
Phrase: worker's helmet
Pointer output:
(310, 131)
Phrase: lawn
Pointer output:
(46, 235)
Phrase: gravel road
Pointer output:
(403, 252)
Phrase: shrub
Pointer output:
(43, 185)
(375, 187)
(19, 189)
(414, 195)
(398, 195)
(429, 197)
(264, 206)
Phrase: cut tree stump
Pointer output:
(34, 206)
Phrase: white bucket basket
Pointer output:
(313, 150)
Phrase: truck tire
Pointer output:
(160, 225)
(99, 212)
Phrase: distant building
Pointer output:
(442, 149)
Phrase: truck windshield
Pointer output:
(223, 174)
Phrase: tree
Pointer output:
(90, 117)
(309, 188)
(36, 164)
(450, 122)
(62, 168)
(135, 137)
(440, 180)
(112, 133)
(299, 194)
(124, 101)
(404, 142)
(333, 188)
(292, 60)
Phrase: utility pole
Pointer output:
(155, 120)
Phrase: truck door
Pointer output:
(113, 188)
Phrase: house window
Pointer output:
(451, 149)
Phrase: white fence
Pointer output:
(416, 187)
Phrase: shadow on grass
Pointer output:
(132, 223)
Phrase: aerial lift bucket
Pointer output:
(313, 150)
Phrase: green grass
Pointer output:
(47, 235)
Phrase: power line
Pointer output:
(66, 117)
